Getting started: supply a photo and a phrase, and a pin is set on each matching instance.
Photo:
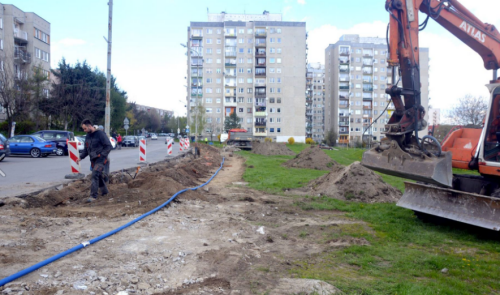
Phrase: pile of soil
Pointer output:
(355, 183)
(271, 149)
(313, 158)
(133, 192)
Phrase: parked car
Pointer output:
(32, 145)
(4, 148)
(154, 137)
(325, 146)
(171, 135)
(59, 137)
(81, 143)
(130, 141)
(162, 134)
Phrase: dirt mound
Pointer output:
(312, 158)
(271, 149)
(355, 183)
(132, 192)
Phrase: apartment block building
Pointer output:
(356, 76)
(24, 43)
(252, 65)
(315, 101)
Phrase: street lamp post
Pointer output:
(197, 88)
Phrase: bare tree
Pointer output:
(15, 94)
(470, 110)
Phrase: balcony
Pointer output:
(367, 89)
(230, 33)
(344, 79)
(196, 74)
(261, 84)
(367, 81)
(344, 132)
(230, 74)
(260, 42)
(344, 69)
(230, 84)
(22, 55)
(368, 63)
(230, 64)
(260, 64)
(344, 123)
(260, 33)
(367, 71)
(230, 93)
(367, 107)
(344, 60)
(260, 74)
(260, 94)
(260, 123)
(260, 54)
(21, 36)
(343, 105)
(196, 94)
(260, 134)
(197, 34)
(344, 87)
(230, 54)
(344, 53)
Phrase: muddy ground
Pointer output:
(312, 158)
(222, 239)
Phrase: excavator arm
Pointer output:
(404, 149)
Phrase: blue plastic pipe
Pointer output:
(95, 240)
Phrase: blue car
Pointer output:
(4, 148)
(31, 145)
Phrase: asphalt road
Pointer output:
(24, 174)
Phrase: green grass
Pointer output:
(268, 174)
(404, 255)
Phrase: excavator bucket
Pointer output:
(456, 205)
(394, 161)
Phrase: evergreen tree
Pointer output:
(232, 122)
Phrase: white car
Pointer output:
(154, 137)
(80, 143)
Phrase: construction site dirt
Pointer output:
(312, 158)
(216, 240)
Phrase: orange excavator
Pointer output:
(472, 199)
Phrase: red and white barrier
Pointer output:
(142, 150)
(74, 156)
(187, 142)
(170, 142)
(181, 144)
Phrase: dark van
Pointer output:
(59, 137)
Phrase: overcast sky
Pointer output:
(150, 64)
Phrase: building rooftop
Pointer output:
(223, 16)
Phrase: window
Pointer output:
(249, 110)
(209, 80)
(208, 60)
(209, 31)
(241, 90)
(241, 50)
(271, 40)
(272, 60)
(249, 50)
(279, 40)
(278, 100)
(278, 70)
(219, 80)
(278, 120)
(271, 120)
(249, 70)
(241, 40)
(209, 120)
(218, 60)
(218, 41)
(271, 80)
(218, 71)
(278, 110)
(278, 80)
(250, 40)
(209, 90)
(249, 100)
(219, 51)
(271, 100)
(249, 120)
(208, 110)
(240, 80)
(249, 80)
(241, 99)
(240, 110)
(271, 90)
(249, 60)
(271, 129)
(278, 60)
(278, 90)
(209, 50)
(218, 101)
(278, 30)
(249, 90)
(272, 30)
(41, 36)
(272, 110)
(241, 70)
(278, 130)
(218, 109)
(271, 50)
(249, 31)
(278, 50)
(219, 31)
(271, 70)
(219, 90)
(209, 41)
(240, 60)
(241, 31)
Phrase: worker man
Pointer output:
(97, 147)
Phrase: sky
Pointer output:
(150, 64)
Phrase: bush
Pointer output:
(4, 126)
(291, 140)
(23, 127)
(309, 140)
(268, 139)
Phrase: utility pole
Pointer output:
(107, 120)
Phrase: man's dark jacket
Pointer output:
(97, 147)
